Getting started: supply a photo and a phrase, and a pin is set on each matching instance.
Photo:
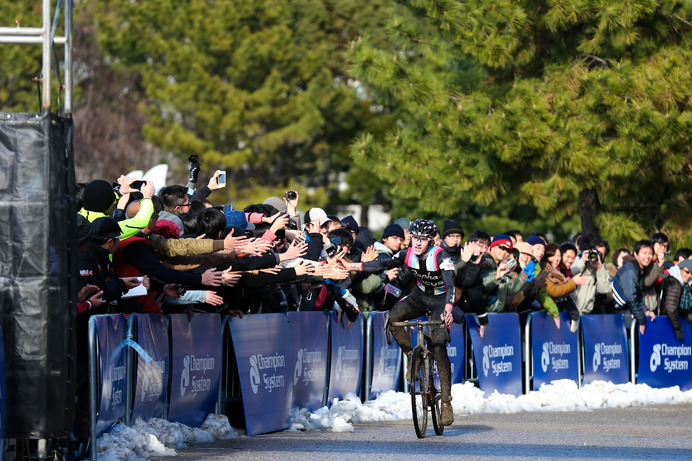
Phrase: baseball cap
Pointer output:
(316, 216)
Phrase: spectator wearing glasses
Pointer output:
(676, 301)
(499, 280)
(452, 236)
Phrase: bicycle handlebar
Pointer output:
(422, 323)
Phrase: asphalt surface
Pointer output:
(642, 433)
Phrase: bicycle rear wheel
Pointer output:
(434, 400)
(419, 392)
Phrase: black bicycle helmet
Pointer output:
(423, 228)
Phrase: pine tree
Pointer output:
(563, 107)
(258, 88)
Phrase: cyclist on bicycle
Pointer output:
(434, 274)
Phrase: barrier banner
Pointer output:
(346, 370)
(111, 331)
(308, 331)
(264, 350)
(386, 359)
(498, 353)
(456, 352)
(151, 377)
(196, 361)
(555, 353)
(606, 355)
(663, 360)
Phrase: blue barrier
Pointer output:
(308, 330)
(386, 358)
(151, 376)
(498, 352)
(346, 345)
(456, 350)
(554, 352)
(283, 360)
(196, 361)
(110, 331)
(606, 355)
(663, 360)
(264, 349)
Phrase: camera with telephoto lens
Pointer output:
(594, 256)
(194, 167)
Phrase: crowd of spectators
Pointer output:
(172, 251)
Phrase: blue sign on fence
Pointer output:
(111, 331)
(663, 360)
(386, 358)
(456, 352)
(196, 362)
(346, 369)
(606, 355)
(498, 353)
(151, 376)
(265, 352)
(555, 352)
(308, 331)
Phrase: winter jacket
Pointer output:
(673, 287)
(599, 283)
(497, 291)
(632, 283)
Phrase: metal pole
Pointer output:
(46, 54)
(93, 387)
(579, 355)
(130, 393)
(527, 356)
(368, 359)
(328, 377)
(68, 58)
(633, 331)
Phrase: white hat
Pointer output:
(316, 216)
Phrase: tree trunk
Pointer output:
(363, 221)
(588, 209)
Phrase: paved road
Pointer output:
(643, 433)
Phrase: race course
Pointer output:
(638, 433)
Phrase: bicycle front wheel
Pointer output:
(419, 392)
(435, 406)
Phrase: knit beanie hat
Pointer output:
(535, 240)
(452, 227)
(167, 229)
(98, 196)
(502, 239)
(393, 230)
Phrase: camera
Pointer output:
(330, 250)
(594, 256)
(194, 167)
(180, 290)
(666, 254)
(137, 184)
(291, 194)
